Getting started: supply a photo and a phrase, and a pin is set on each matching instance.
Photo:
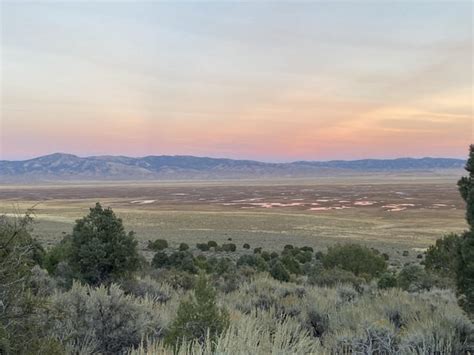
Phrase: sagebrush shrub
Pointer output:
(104, 316)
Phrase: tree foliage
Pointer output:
(20, 329)
(198, 317)
(101, 251)
(465, 264)
(442, 257)
(355, 258)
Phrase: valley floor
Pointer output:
(391, 213)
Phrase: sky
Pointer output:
(271, 81)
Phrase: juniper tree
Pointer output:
(101, 251)
(465, 269)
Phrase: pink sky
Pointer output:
(277, 83)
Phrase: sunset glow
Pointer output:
(254, 80)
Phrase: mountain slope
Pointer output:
(60, 166)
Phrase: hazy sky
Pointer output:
(262, 80)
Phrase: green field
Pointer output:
(391, 213)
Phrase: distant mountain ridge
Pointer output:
(60, 166)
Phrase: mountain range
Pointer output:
(61, 166)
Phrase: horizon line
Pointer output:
(227, 158)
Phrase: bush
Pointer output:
(256, 262)
(442, 257)
(265, 255)
(212, 244)
(231, 247)
(246, 246)
(182, 260)
(355, 258)
(222, 266)
(58, 253)
(101, 251)
(202, 246)
(201, 262)
(304, 256)
(306, 248)
(291, 264)
(178, 279)
(414, 278)
(198, 317)
(147, 287)
(257, 250)
(279, 272)
(183, 247)
(387, 280)
(332, 277)
(160, 259)
(157, 245)
(21, 332)
(105, 318)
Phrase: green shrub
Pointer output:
(288, 247)
(183, 247)
(246, 246)
(58, 253)
(254, 261)
(202, 246)
(465, 257)
(257, 250)
(414, 278)
(306, 248)
(387, 280)
(160, 259)
(332, 277)
(22, 283)
(279, 272)
(198, 317)
(442, 257)
(274, 255)
(201, 262)
(223, 265)
(304, 256)
(212, 244)
(100, 250)
(157, 245)
(230, 247)
(291, 264)
(265, 255)
(182, 260)
(355, 258)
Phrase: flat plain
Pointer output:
(392, 213)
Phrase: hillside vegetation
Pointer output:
(94, 293)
